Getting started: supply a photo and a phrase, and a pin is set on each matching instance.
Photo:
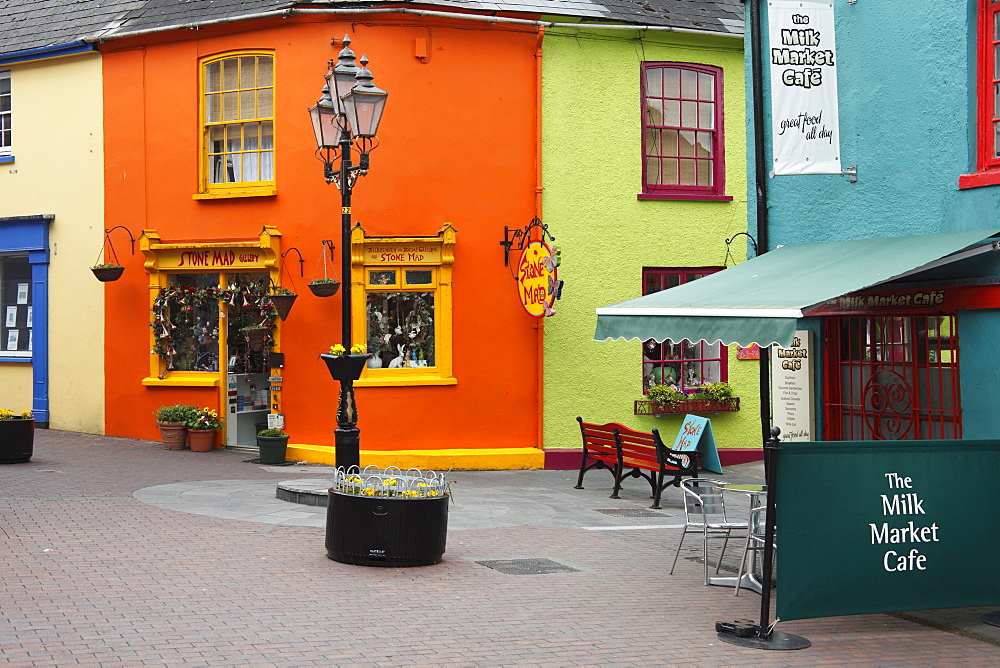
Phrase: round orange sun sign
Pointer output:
(536, 279)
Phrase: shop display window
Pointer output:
(193, 323)
(402, 307)
(682, 134)
(238, 124)
(682, 365)
(15, 305)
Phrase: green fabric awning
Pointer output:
(760, 300)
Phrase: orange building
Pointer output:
(209, 162)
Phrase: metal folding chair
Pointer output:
(705, 514)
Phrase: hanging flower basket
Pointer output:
(108, 272)
(324, 287)
(283, 303)
(256, 337)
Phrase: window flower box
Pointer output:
(683, 407)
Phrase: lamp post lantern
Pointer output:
(346, 119)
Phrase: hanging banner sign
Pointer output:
(537, 282)
(805, 128)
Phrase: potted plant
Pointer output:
(107, 272)
(283, 299)
(387, 518)
(324, 287)
(172, 423)
(344, 365)
(202, 428)
(17, 436)
(273, 444)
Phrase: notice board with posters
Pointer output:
(877, 526)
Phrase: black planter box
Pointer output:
(386, 531)
(17, 440)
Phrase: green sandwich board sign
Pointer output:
(876, 526)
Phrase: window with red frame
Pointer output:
(683, 365)
(682, 134)
(988, 95)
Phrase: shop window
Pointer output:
(682, 133)
(238, 125)
(405, 308)
(987, 149)
(6, 131)
(203, 297)
(15, 303)
(681, 365)
(892, 378)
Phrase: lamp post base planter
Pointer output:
(17, 440)
(173, 435)
(272, 449)
(202, 440)
(386, 518)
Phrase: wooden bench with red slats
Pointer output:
(633, 454)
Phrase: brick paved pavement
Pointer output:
(94, 576)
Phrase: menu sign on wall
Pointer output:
(805, 131)
(792, 388)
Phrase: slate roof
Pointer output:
(28, 24)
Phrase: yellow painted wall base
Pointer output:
(496, 459)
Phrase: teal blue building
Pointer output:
(914, 356)
(873, 197)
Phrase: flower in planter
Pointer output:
(7, 414)
(176, 413)
(204, 418)
(356, 349)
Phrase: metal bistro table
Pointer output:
(757, 494)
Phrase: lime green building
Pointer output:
(645, 180)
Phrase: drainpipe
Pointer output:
(540, 329)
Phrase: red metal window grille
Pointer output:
(892, 378)
(682, 138)
(684, 365)
(989, 85)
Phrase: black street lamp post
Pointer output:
(346, 118)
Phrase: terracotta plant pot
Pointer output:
(324, 289)
(173, 435)
(17, 440)
(283, 304)
(202, 440)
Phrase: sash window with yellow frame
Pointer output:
(402, 307)
(237, 115)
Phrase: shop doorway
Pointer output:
(247, 399)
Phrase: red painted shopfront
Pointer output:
(210, 163)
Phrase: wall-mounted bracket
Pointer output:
(851, 173)
(516, 240)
